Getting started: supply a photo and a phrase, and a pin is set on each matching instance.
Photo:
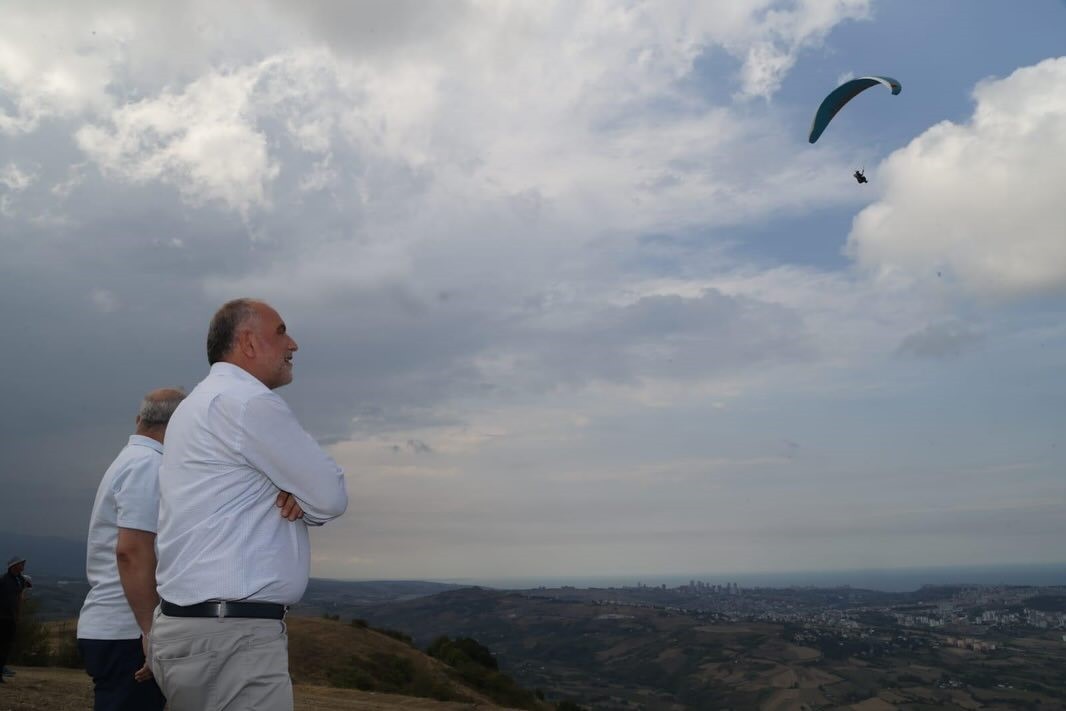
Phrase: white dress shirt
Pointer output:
(232, 445)
(128, 497)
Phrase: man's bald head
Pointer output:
(251, 335)
(157, 407)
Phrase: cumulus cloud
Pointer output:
(70, 59)
(980, 202)
(171, 95)
(204, 140)
(783, 32)
(42, 82)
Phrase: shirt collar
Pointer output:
(234, 371)
(146, 442)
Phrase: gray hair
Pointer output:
(157, 411)
(222, 333)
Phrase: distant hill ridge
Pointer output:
(46, 555)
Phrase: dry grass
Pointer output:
(53, 689)
(47, 689)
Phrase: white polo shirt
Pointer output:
(232, 445)
(128, 497)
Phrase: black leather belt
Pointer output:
(223, 608)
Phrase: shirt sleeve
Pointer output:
(274, 443)
(137, 495)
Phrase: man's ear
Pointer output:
(246, 342)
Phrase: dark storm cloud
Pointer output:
(106, 284)
(101, 301)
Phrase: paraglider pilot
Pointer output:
(860, 176)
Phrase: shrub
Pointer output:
(32, 647)
(475, 664)
(352, 677)
(66, 652)
(464, 649)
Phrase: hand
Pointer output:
(290, 509)
(145, 672)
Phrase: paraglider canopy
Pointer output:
(842, 95)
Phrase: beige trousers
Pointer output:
(230, 664)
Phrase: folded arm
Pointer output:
(275, 444)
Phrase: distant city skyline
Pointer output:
(886, 579)
(573, 293)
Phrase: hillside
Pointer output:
(327, 652)
(52, 689)
(334, 665)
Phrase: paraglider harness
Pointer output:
(860, 175)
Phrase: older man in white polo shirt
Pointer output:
(120, 565)
(229, 565)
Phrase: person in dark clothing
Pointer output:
(12, 584)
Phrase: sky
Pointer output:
(573, 293)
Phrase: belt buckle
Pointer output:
(222, 608)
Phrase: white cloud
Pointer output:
(776, 41)
(979, 203)
(71, 59)
(47, 69)
(171, 93)
(204, 140)
(15, 178)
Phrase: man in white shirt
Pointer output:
(229, 565)
(120, 565)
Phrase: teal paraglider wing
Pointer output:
(842, 95)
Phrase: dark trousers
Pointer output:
(111, 663)
(7, 639)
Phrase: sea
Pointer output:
(884, 579)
